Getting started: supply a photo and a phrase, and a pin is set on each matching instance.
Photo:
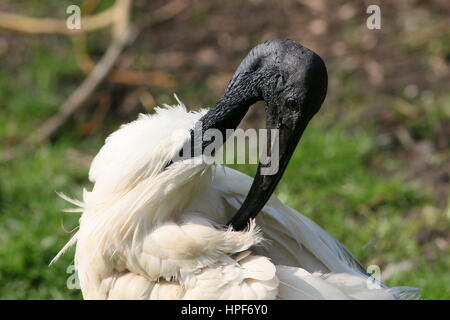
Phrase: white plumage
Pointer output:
(152, 233)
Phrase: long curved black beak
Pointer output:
(289, 117)
(283, 137)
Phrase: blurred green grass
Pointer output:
(338, 177)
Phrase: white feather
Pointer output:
(152, 233)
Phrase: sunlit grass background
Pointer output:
(383, 195)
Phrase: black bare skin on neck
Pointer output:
(292, 81)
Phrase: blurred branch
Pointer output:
(89, 85)
(24, 24)
(166, 12)
(123, 35)
(77, 98)
(121, 18)
(136, 78)
(146, 99)
(79, 40)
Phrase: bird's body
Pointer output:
(149, 232)
(153, 226)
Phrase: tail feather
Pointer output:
(298, 284)
(66, 247)
(74, 238)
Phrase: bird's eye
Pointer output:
(280, 80)
(291, 103)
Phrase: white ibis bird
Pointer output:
(155, 228)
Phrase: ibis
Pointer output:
(157, 225)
